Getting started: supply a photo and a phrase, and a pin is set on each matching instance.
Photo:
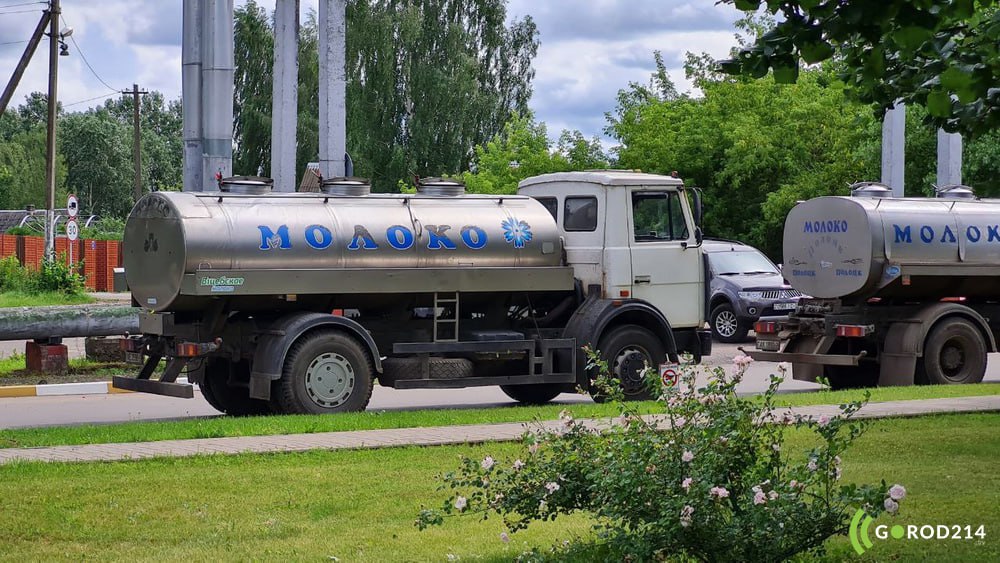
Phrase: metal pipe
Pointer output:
(284, 108)
(29, 323)
(949, 158)
(217, 75)
(332, 87)
(191, 94)
(894, 149)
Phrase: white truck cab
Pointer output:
(633, 234)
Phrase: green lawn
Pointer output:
(371, 420)
(19, 299)
(360, 505)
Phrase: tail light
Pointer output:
(854, 331)
(766, 327)
(194, 349)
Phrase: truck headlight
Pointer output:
(751, 294)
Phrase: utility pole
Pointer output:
(50, 149)
(29, 51)
(136, 139)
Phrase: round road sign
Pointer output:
(72, 205)
(72, 229)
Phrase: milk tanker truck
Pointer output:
(301, 302)
(904, 290)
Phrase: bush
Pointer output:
(53, 276)
(708, 480)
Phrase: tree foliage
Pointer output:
(523, 149)
(427, 81)
(941, 54)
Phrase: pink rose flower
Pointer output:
(897, 492)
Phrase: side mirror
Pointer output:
(698, 236)
(697, 207)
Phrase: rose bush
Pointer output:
(710, 479)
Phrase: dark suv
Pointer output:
(745, 286)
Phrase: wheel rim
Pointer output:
(628, 367)
(329, 380)
(953, 359)
(725, 323)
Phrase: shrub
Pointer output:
(708, 480)
(54, 276)
(13, 277)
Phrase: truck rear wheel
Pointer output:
(325, 372)
(537, 394)
(628, 350)
(954, 352)
(231, 399)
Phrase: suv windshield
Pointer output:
(740, 262)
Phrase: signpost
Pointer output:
(72, 229)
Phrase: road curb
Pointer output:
(57, 389)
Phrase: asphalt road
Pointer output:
(82, 409)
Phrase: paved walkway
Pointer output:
(434, 436)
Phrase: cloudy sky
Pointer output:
(589, 49)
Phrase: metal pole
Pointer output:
(136, 140)
(332, 87)
(893, 149)
(22, 64)
(284, 103)
(217, 71)
(50, 149)
(191, 94)
(949, 158)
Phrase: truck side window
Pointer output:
(551, 205)
(658, 216)
(580, 214)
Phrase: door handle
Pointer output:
(642, 279)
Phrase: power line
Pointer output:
(5, 6)
(91, 99)
(14, 42)
(17, 11)
(84, 57)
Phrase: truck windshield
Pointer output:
(741, 262)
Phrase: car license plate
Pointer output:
(769, 345)
(784, 306)
(133, 358)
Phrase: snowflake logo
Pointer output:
(516, 232)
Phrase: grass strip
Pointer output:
(360, 505)
(222, 426)
(21, 299)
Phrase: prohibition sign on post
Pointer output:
(668, 374)
(72, 205)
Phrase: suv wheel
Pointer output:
(726, 326)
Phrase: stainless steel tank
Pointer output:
(909, 248)
(288, 243)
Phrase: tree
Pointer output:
(427, 81)
(523, 149)
(160, 123)
(941, 54)
(754, 147)
(98, 151)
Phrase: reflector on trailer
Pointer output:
(853, 331)
(766, 327)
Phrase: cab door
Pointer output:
(667, 266)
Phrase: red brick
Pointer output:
(46, 358)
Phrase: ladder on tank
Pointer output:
(446, 325)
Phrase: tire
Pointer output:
(954, 353)
(537, 394)
(231, 399)
(852, 377)
(326, 354)
(627, 349)
(726, 326)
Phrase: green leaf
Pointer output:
(954, 79)
(816, 51)
(747, 5)
(912, 37)
(939, 103)
(786, 74)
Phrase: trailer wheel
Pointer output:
(628, 350)
(325, 372)
(537, 394)
(726, 326)
(954, 352)
(232, 400)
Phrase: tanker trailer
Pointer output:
(904, 289)
(300, 302)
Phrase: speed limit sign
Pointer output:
(72, 205)
(72, 229)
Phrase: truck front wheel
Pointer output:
(325, 372)
(954, 352)
(629, 350)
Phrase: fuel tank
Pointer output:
(856, 248)
(181, 249)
